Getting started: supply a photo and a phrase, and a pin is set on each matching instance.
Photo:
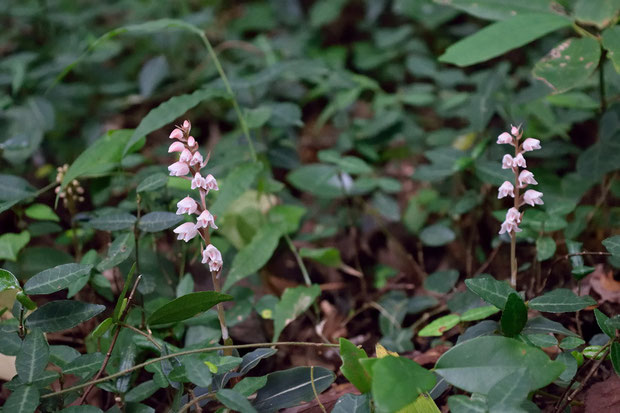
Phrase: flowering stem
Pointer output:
(513, 234)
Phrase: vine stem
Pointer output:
(185, 353)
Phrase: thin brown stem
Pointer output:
(142, 333)
(195, 401)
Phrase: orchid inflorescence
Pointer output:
(523, 178)
(191, 162)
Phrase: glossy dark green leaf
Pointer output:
(10, 343)
(561, 300)
(11, 244)
(490, 290)
(55, 279)
(186, 307)
(62, 315)
(153, 182)
(234, 401)
(327, 256)
(508, 393)
(615, 356)
(249, 385)
(352, 403)
(570, 343)
(500, 9)
(542, 325)
(600, 13)
(24, 399)
(351, 367)
(85, 366)
(113, 222)
(14, 188)
(293, 303)
(601, 320)
(439, 326)
(127, 361)
(463, 404)
(158, 221)
(611, 42)
(612, 244)
(8, 281)
(545, 248)
(441, 281)
(120, 249)
(32, 357)
(514, 316)
(289, 388)
(141, 392)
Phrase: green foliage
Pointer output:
(185, 307)
(294, 302)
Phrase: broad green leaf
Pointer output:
(613, 323)
(541, 340)
(514, 315)
(490, 290)
(127, 361)
(478, 364)
(440, 326)
(479, 313)
(570, 364)
(325, 11)
(186, 307)
(397, 382)
(11, 244)
(498, 38)
(569, 64)
(32, 356)
(574, 100)
(102, 328)
(234, 401)
(103, 155)
(352, 403)
(611, 42)
(615, 356)
(441, 281)
(437, 235)
(141, 392)
(41, 212)
(318, 179)
(251, 359)
(293, 303)
(14, 188)
(545, 248)
(257, 117)
(561, 300)
(10, 343)
(542, 325)
(508, 393)
(570, 343)
(326, 256)
(8, 281)
(287, 217)
(153, 182)
(288, 388)
(55, 279)
(24, 399)
(351, 367)
(612, 244)
(601, 320)
(423, 404)
(85, 366)
(249, 385)
(113, 222)
(463, 404)
(61, 355)
(158, 221)
(151, 74)
(253, 256)
(235, 185)
(168, 111)
(119, 251)
(599, 159)
(499, 9)
(62, 315)
(596, 12)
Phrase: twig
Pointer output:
(184, 353)
(194, 401)
(142, 333)
(316, 394)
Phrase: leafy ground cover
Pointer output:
(331, 205)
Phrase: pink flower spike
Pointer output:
(531, 144)
(196, 159)
(206, 220)
(176, 147)
(504, 138)
(178, 169)
(525, 178)
(186, 205)
(519, 160)
(515, 130)
(191, 141)
(199, 182)
(176, 134)
(507, 162)
(532, 197)
(509, 226)
(212, 256)
(186, 156)
(187, 126)
(513, 215)
(186, 231)
(211, 183)
(506, 189)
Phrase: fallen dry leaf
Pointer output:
(604, 396)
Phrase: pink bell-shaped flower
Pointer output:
(504, 138)
(505, 190)
(526, 178)
(532, 197)
(186, 205)
(213, 257)
(178, 169)
(206, 219)
(186, 231)
(176, 134)
(531, 144)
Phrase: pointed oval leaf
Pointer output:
(141, 391)
(24, 399)
(542, 325)
(8, 281)
(352, 403)
(32, 356)
(158, 221)
(351, 367)
(479, 313)
(440, 326)
(508, 393)
(234, 401)
(294, 302)
(490, 290)
(85, 365)
(55, 279)
(186, 306)
(62, 315)
(514, 315)
(561, 300)
(113, 222)
(463, 404)
(153, 182)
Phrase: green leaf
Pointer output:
(41, 212)
(397, 382)
(326, 256)
(103, 155)
(81, 409)
(601, 320)
(253, 256)
(569, 64)
(615, 356)
(290, 387)
(351, 367)
(545, 248)
(437, 235)
(508, 393)
(440, 326)
(151, 75)
(570, 343)
(25, 300)
(575, 100)
(113, 222)
(514, 315)
(611, 42)
(352, 403)
(498, 38)
(102, 328)
(153, 182)
(542, 325)
(85, 366)
(318, 179)
(127, 361)
(467, 365)
(10, 343)
(294, 302)
(118, 308)
(186, 306)
(234, 401)
(8, 281)
(599, 159)
(613, 323)
(249, 385)
(168, 111)
(479, 313)
(541, 340)
(612, 244)
(119, 251)
(11, 244)
(14, 188)
(441, 281)
(235, 185)
(158, 221)
(490, 290)
(24, 399)
(596, 12)
(55, 279)
(62, 314)
(141, 392)
(499, 9)
(287, 217)
(463, 404)
(32, 356)
(561, 300)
